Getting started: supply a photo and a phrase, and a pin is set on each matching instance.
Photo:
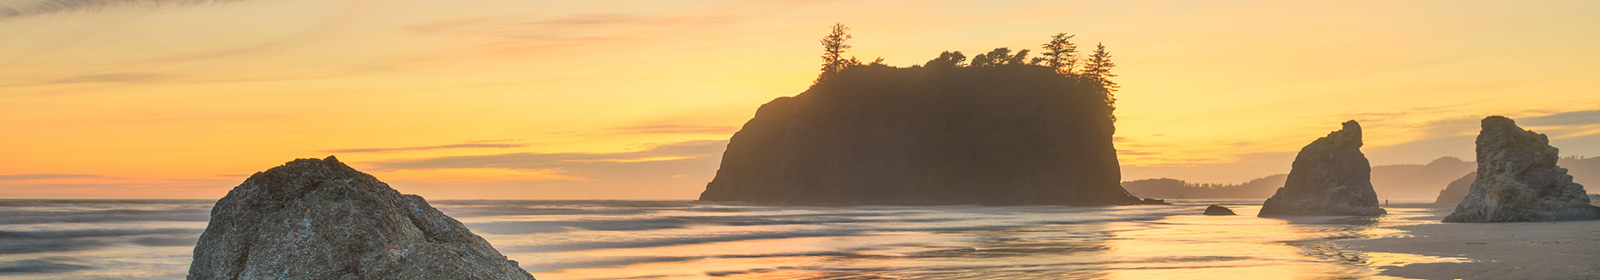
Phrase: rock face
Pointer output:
(1329, 177)
(320, 219)
(1457, 190)
(878, 135)
(1518, 180)
(1218, 210)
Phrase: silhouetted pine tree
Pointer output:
(833, 48)
(1059, 53)
(947, 60)
(1098, 68)
(1019, 58)
(996, 57)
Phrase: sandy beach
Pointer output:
(1544, 250)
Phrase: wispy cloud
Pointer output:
(673, 129)
(481, 144)
(1468, 126)
(656, 129)
(507, 26)
(106, 186)
(111, 78)
(1535, 118)
(531, 161)
(91, 179)
(21, 177)
(1126, 152)
(500, 34)
(590, 20)
(675, 170)
(24, 8)
(1587, 117)
(1451, 126)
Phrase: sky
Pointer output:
(508, 99)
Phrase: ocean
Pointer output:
(153, 239)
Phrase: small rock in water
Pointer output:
(1518, 180)
(1218, 210)
(321, 219)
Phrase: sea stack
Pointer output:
(880, 135)
(321, 219)
(1518, 180)
(1329, 177)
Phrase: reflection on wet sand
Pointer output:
(1138, 242)
(978, 242)
(689, 240)
(1224, 247)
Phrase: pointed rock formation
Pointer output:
(1518, 180)
(320, 219)
(1329, 177)
(1457, 190)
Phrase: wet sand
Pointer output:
(1544, 250)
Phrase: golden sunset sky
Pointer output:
(636, 99)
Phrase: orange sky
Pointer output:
(634, 99)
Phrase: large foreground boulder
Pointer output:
(1330, 176)
(320, 219)
(1518, 180)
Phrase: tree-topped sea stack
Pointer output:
(1004, 130)
(320, 219)
(1007, 135)
(1518, 180)
(1330, 176)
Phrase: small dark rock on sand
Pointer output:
(1218, 210)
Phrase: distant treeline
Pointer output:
(1060, 54)
(1174, 188)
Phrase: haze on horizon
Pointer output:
(636, 99)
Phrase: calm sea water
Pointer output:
(152, 239)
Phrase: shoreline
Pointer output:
(1534, 250)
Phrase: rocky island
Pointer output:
(321, 219)
(880, 135)
(1330, 176)
(1518, 180)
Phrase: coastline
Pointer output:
(1539, 250)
